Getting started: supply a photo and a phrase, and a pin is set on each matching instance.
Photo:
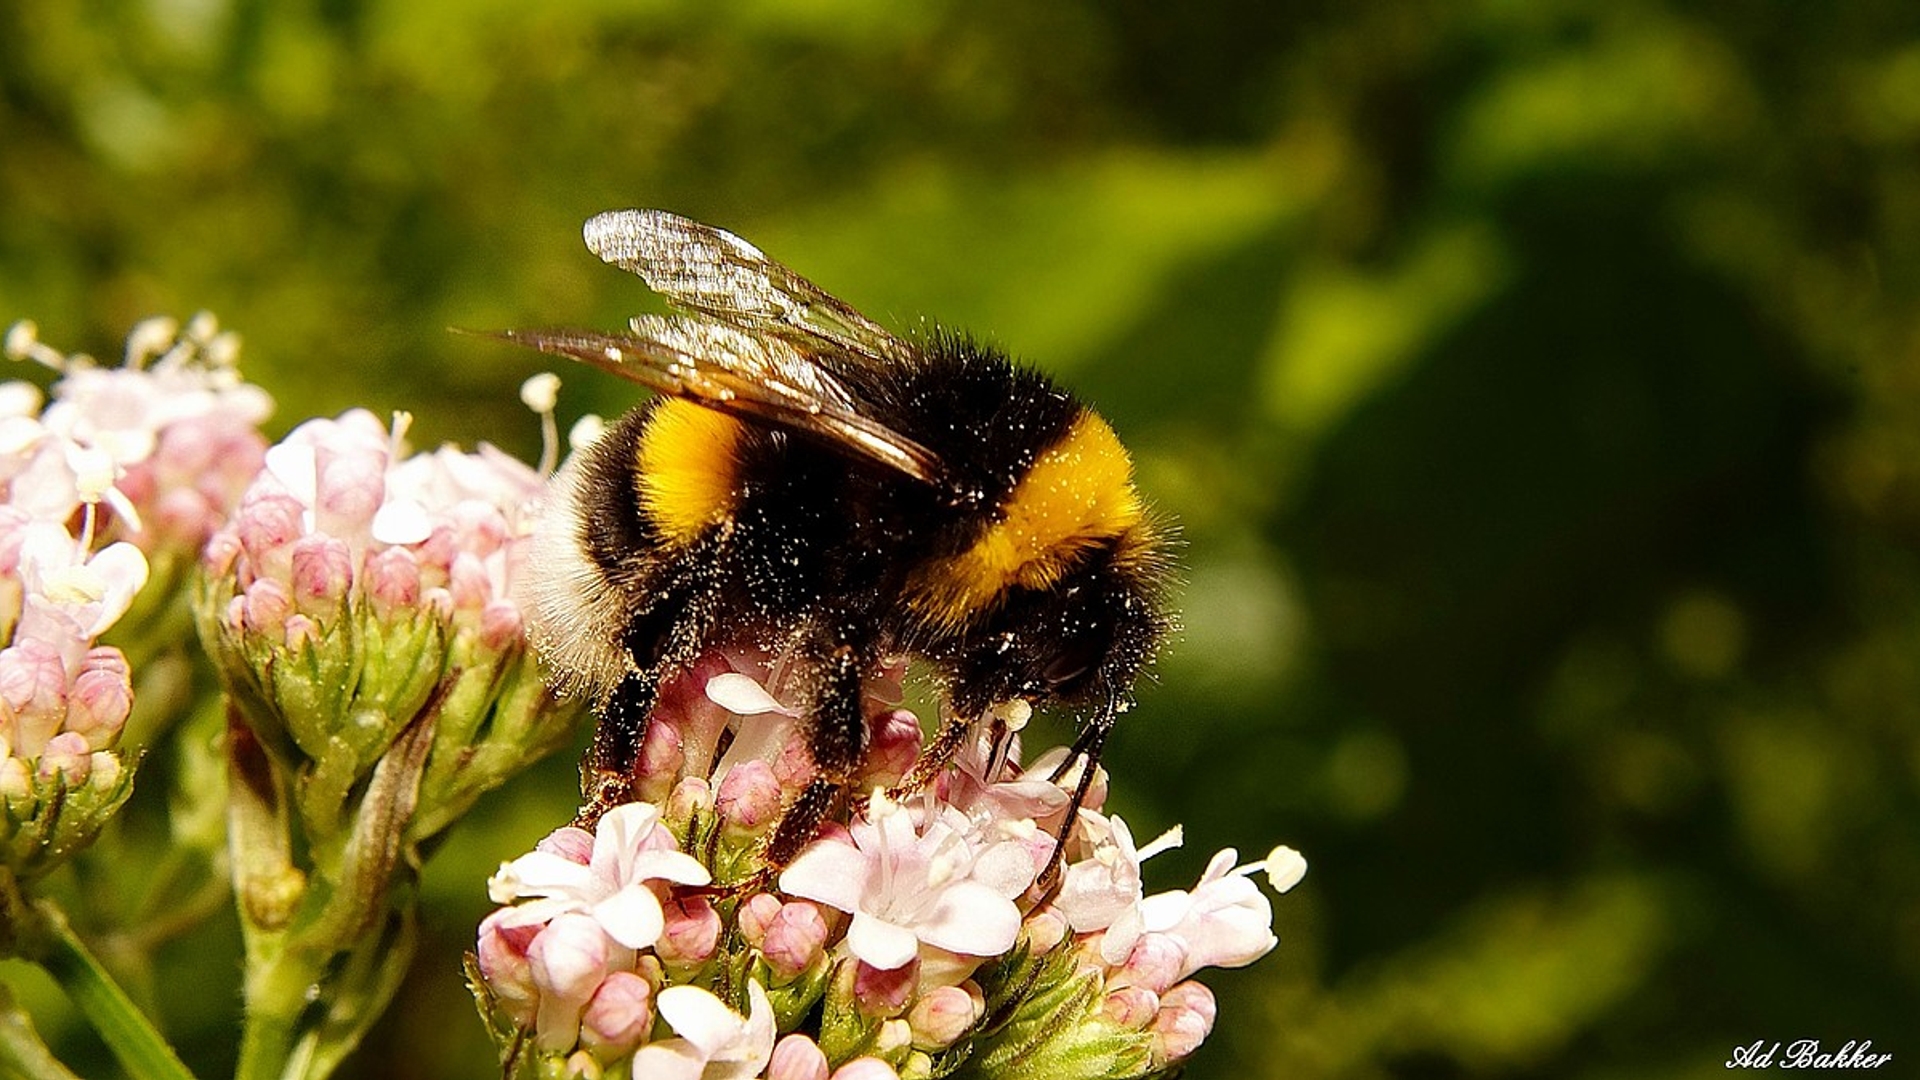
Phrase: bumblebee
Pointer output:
(809, 483)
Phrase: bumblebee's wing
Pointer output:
(723, 367)
(713, 272)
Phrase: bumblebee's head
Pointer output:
(1080, 640)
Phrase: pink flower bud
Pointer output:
(618, 1015)
(322, 574)
(98, 704)
(15, 781)
(502, 954)
(865, 1068)
(661, 761)
(756, 915)
(1131, 1007)
(1185, 1020)
(302, 632)
(66, 756)
(690, 796)
(749, 798)
(221, 552)
(350, 483)
(105, 770)
(1045, 929)
(467, 582)
(566, 960)
(265, 607)
(33, 684)
(692, 932)
(884, 992)
(570, 843)
(945, 1013)
(1156, 963)
(895, 747)
(501, 625)
(795, 939)
(392, 581)
(267, 524)
(797, 1057)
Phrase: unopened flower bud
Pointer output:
(692, 795)
(883, 992)
(16, 782)
(661, 760)
(392, 581)
(797, 1057)
(865, 1068)
(105, 771)
(97, 706)
(267, 524)
(67, 757)
(1156, 962)
(749, 798)
(570, 843)
(1045, 929)
(322, 574)
(796, 937)
(755, 915)
(944, 1014)
(1131, 1007)
(618, 1015)
(892, 1041)
(692, 932)
(1185, 1020)
(265, 606)
(502, 955)
(501, 625)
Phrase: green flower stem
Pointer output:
(134, 1041)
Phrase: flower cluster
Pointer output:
(359, 607)
(913, 935)
(114, 480)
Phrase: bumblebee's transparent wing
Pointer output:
(713, 272)
(722, 367)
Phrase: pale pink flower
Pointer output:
(797, 1057)
(1104, 891)
(1224, 921)
(616, 888)
(908, 886)
(712, 1041)
(567, 961)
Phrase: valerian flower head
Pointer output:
(909, 939)
(359, 595)
(359, 607)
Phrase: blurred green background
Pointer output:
(1538, 383)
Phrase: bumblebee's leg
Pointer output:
(934, 758)
(606, 773)
(1087, 746)
(836, 736)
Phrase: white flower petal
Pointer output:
(743, 695)
(1006, 868)
(701, 1018)
(669, 1059)
(631, 916)
(537, 873)
(401, 521)
(674, 866)
(886, 946)
(970, 918)
(832, 872)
